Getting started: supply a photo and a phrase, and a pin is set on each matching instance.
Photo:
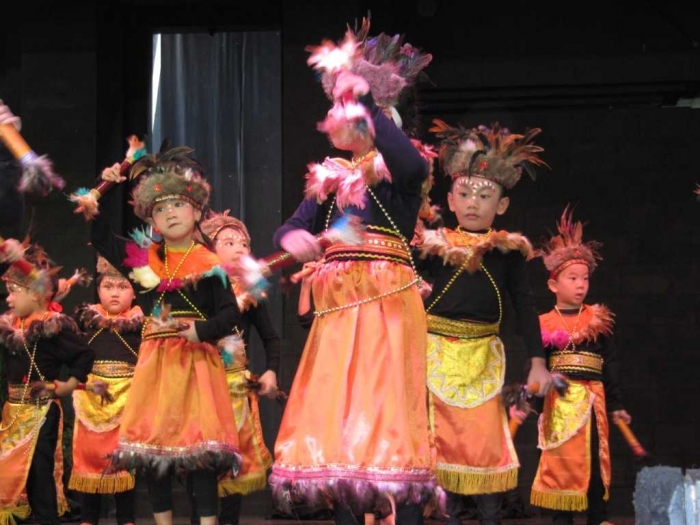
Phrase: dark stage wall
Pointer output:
(595, 79)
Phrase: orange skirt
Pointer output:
(475, 453)
(256, 457)
(178, 414)
(355, 429)
(96, 432)
(564, 472)
(17, 444)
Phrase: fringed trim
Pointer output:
(243, 484)
(13, 339)
(436, 243)
(555, 334)
(102, 483)
(94, 316)
(465, 482)
(338, 176)
(8, 514)
(63, 506)
(361, 495)
(566, 501)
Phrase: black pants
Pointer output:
(229, 514)
(597, 506)
(41, 489)
(202, 488)
(91, 505)
(488, 506)
(405, 515)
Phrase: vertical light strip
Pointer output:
(155, 80)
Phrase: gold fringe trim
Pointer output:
(466, 483)
(244, 486)
(98, 484)
(571, 501)
(8, 514)
(63, 506)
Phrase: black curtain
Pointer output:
(221, 95)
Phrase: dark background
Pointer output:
(610, 85)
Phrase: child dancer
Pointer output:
(113, 330)
(178, 417)
(574, 470)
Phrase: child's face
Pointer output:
(230, 245)
(571, 286)
(116, 295)
(21, 301)
(175, 219)
(476, 201)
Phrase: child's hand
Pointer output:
(11, 251)
(65, 388)
(63, 290)
(349, 82)
(514, 413)
(268, 384)
(189, 333)
(540, 375)
(302, 245)
(111, 174)
(621, 415)
(7, 117)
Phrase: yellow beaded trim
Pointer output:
(461, 329)
(113, 369)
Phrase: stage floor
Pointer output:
(251, 520)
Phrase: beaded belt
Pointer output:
(114, 369)
(462, 329)
(575, 362)
(374, 246)
(155, 330)
(15, 396)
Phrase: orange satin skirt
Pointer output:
(564, 472)
(96, 431)
(17, 444)
(475, 453)
(355, 429)
(256, 457)
(178, 414)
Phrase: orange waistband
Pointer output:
(373, 246)
(576, 362)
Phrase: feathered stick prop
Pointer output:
(637, 449)
(38, 177)
(41, 389)
(518, 395)
(253, 274)
(331, 59)
(87, 201)
(253, 383)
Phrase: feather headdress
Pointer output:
(215, 222)
(492, 153)
(387, 63)
(170, 174)
(567, 248)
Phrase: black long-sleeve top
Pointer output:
(401, 197)
(53, 350)
(214, 299)
(606, 348)
(107, 345)
(259, 317)
(472, 297)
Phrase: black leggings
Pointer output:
(41, 489)
(91, 505)
(406, 514)
(203, 492)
